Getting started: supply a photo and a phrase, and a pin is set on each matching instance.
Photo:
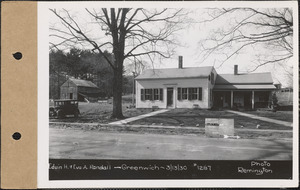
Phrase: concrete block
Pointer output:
(226, 127)
(219, 127)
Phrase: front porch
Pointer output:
(246, 99)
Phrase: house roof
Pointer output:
(252, 78)
(85, 83)
(187, 72)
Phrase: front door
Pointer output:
(218, 100)
(71, 96)
(169, 96)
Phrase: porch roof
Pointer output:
(245, 78)
(245, 87)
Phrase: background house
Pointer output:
(285, 98)
(80, 90)
(202, 87)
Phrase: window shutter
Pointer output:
(179, 93)
(151, 94)
(200, 94)
(142, 94)
(161, 95)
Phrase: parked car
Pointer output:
(62, 108)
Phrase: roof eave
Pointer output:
(171, 78)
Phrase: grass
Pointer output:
(195, 117)
(95, 112)
(279, 115)
(101, 113)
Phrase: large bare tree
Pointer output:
(268, 31)
(128, 33)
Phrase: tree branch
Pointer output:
(93, 43)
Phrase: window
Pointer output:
(156, 94)
(179, 93)
(189, 93)
(184, 94)
(152, 94)
(193, 94)
(148, 94)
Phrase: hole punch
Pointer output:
(16, 136)
(18, 55)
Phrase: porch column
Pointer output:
(231, 102)
(252, 99)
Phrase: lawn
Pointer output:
(279, 115)
(100, 112)
(196, 117)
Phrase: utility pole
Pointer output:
(133, 80)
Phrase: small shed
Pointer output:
(78, 89)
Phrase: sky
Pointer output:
(189, 39)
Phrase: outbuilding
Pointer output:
(81, 90)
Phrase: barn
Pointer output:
(81, 90)
(202, 87)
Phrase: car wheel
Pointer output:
(60, 115)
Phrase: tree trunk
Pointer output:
(117, 94)
(118, 37)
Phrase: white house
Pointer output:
(201, 87)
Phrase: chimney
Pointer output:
(180, 62)
(235, 69)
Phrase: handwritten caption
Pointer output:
(256, 168)
(126, 167)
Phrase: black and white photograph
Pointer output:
(186, 91)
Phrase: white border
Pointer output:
(43, 96)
